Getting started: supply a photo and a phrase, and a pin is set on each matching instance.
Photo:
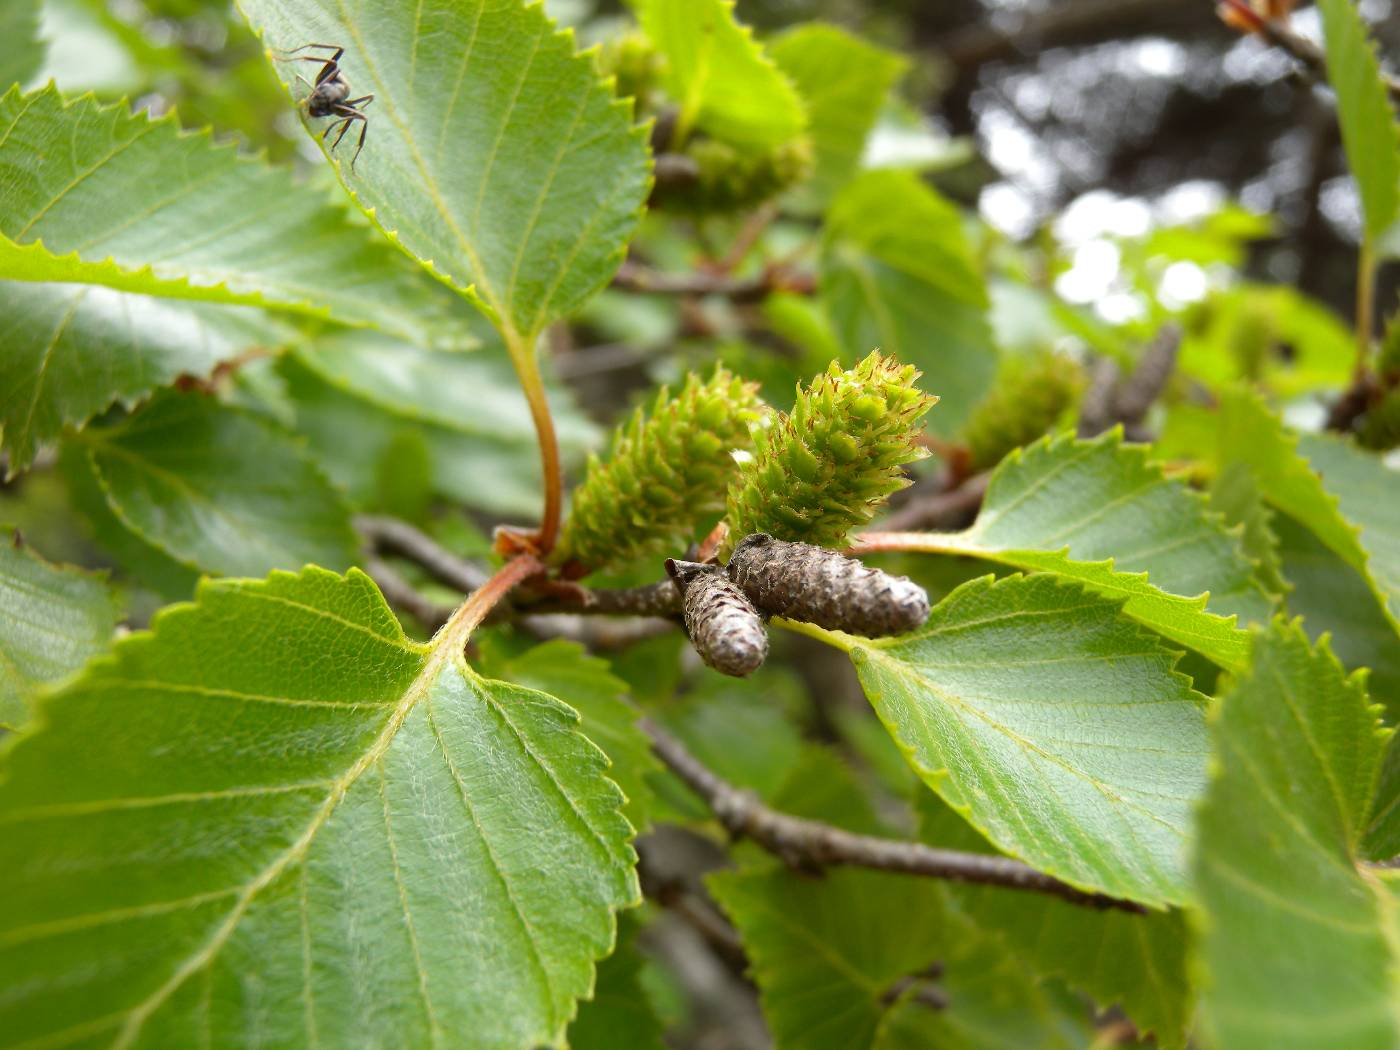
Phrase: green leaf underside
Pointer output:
(96, 194)
(1055, 725)
(897, 274)
(1137, 962)
(357, 393)
(495, 154)
(1099, 513)
(341, 860)
(72, 350)
(1299, 945)
(563, 668)
(719, 76)
(1361, 532)
(219, 489)
(21, 50)
(844, 81)
(1369, 130)
(52, 618)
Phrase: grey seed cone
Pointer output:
(724, 627)
(815, 585)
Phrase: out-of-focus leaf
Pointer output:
(1298, 942)
(341, 812)
(219, 489)
(585, 683)
(897, 274)
(844, 81)
(98, 195)
(355, 393)
(1099, 513)
(21, 50)
(83, 53)
(52, 618)
(1054, 724)
(496, 156)
(1369, 130)
(72, 350)
(619, 1016)
(718, 75)
(1235, 496)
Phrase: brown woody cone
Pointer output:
(725, 629)
(815, 585)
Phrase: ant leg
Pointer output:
(360, 102)
(343, 124)
(307, 47)
(364, 130)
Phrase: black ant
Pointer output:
(328, 97)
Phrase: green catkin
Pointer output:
(664, 481)
(827, 466)
(1030, 397)
(732, 179)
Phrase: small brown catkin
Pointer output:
(815, 585)
(724, 627)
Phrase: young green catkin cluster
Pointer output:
(666, 475)
(825, 468)
(1029, 398)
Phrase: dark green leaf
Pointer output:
(619, 1016)
(339, 823)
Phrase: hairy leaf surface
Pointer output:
(1099, 513)
(897, 273)
(1055, 725)
(72, 350)
(718, 74)
(495, 154)
(96, 194)
(1369, 130)
(361, 841)
(1300, 943)
(52, 618)
(219, 489)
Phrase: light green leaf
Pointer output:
(219, 489)
(21, 50)
(719, 76)
(844, 81)
(897, 274)
(495, 155)
(357, 393)
(1099, 513)
(825, 951)
(1251, 434)
(585, 683)
(1054, 724)
(1136, 962)
(1237, 499)
(98, 195)
(1369, 130)
(72, 350)
(342, 813)
(1298, 941)
(52, 618)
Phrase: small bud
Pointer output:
(725, 629)
(802, 582)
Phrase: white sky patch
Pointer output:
(1092, 275)
(1182, 284)
(1008, 209)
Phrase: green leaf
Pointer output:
(1099, 513)
(219, 489)
(1136, 962)
(844, 81)
(21, 50)
(97, 195)
(585, 683)
(52, 619)
(1369, 130)
(495, 155)
(356, 393)
(1054, 724)
(825, 951)
(1298, 941)
(72, 350)
(897, 274)
(619, 1016)
(340, 814)
(719, 76)
(1251, 434)
(1237, 499)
